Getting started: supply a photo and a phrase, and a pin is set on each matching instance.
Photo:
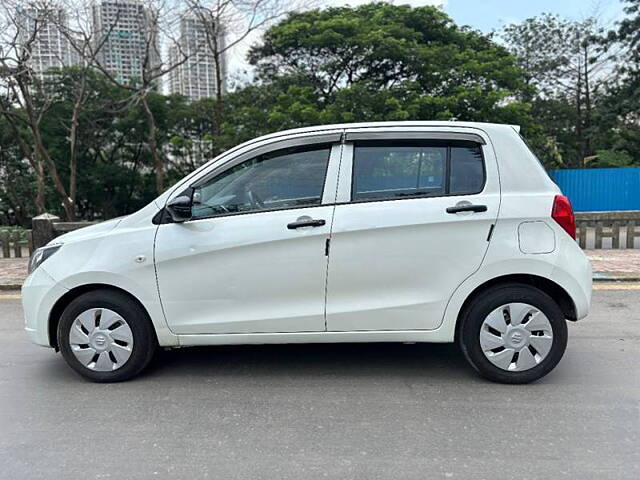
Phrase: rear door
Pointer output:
(414, 213)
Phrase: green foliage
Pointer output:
(610, 159)
(16, 180)
(374, 62)
(617, 117)
(584, 88)
(566, 68)
(386, 62)
(628, 34)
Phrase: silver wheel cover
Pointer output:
(516, 337)
(101, 339)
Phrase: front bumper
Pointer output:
(40, 292)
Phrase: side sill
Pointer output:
(440, 335)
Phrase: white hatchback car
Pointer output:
(376, 232)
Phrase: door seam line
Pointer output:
(333, 216)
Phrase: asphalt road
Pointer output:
(377, 411)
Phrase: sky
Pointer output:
(484, 15)
(487, 15)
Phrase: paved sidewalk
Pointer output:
(12, 272)
(608, 265)
(615, 265)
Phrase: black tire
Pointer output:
(144, 338)
(482, 305)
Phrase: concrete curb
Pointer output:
(617, 279)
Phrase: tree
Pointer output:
(228, 23)
(16, 180)
(188, 132)
(28, 92)
(77, 83)
(158, 20)
(629, 35)
(381, 61)
(622, 103)
(566, 72)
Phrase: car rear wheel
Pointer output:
(513, 334)
(106, 336)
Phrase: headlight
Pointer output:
(40, 255)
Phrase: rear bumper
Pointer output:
(573, 272)
(40, 292)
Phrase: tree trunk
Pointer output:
(219, 106)
(40, 200)
(41, 152)
(587, 99)
(579, 132)
(152, 145)
(73, 142)
(73, 160)
(67, 204)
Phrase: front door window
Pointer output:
(284, 179)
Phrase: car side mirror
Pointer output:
(179, 209)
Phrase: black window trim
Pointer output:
(442, 141)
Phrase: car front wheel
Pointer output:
(106, 336)
(513, 334)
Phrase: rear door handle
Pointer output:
(467, 208)
(306, 223)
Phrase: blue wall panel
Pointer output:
(600, 189)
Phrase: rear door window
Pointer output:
(384, 170)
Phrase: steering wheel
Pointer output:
(255, 200)
(221, 208)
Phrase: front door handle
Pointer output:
(306, 223)
(467, 208)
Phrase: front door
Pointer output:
(252, 259)
(413, 225)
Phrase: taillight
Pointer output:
(562, 212)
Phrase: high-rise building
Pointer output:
(131, 31)
(196, 77)
(44, 31)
